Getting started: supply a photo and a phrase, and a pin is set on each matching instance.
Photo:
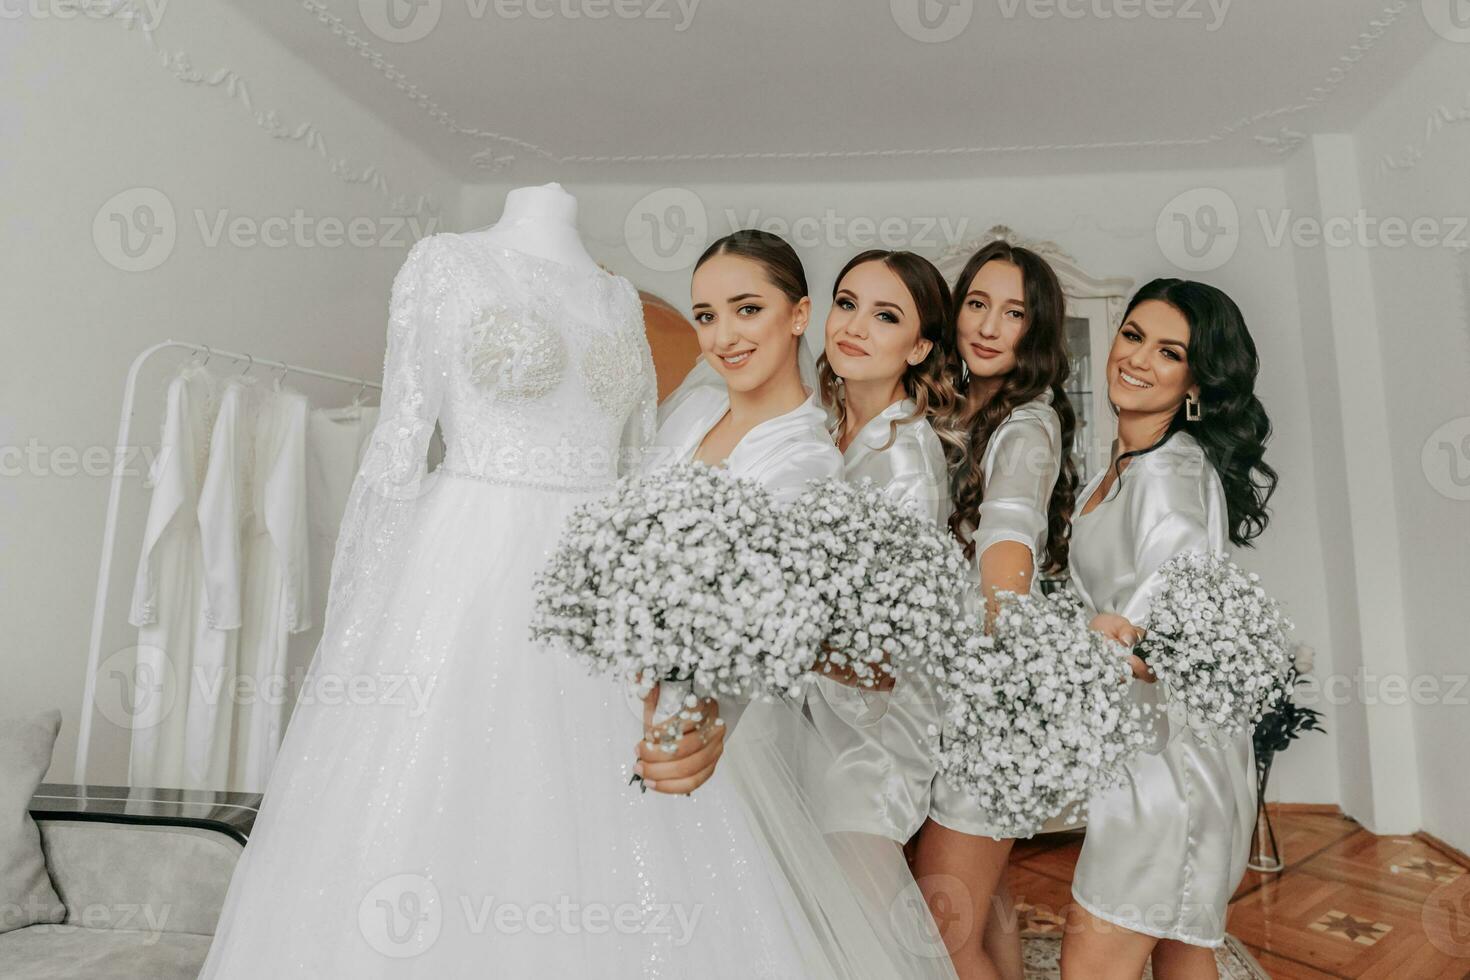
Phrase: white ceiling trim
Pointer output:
(306, 133)
(1282, 142)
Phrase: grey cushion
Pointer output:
(26, 894)
(74, 953)
(140, 877)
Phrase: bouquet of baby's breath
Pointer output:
(1217, 642)
(679, 578)
(891, 583)
(1038, 713)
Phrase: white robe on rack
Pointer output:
(225, 504)
(166, 589)
(277, 586)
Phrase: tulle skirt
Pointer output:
(457, 804)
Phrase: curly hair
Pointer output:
(1233, 427)
(928, 382)
(1042, 365)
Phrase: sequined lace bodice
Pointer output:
(546, 372)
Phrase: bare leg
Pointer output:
(1174, 960)
(1003, 936)
(1094, 949)
(959, 874)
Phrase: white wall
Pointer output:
(1422, 297)
(1108, 224)
(96, 111)
(90, 111)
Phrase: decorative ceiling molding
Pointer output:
(1283, 142)
(1439, 117)
(237, 89)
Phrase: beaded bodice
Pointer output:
(546, 375)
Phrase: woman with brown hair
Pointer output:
(1012, 482)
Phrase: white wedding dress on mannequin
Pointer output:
(452, 800)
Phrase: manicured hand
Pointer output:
(695, 753)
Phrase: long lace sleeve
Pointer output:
(636, 445)
(391, 478)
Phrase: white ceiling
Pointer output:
(755, 90)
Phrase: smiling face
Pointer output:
(992, 319)
(873, 329)
(1148, 367)
(748, 328)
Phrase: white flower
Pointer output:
(891, 582)
(1217, 642)
(1039, 716)
(681, 575)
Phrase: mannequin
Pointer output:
(540, 221)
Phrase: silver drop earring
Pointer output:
(964, 371)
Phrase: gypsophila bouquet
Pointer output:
(677, 576)
(1217, 642)
(1038, 713)
(892, 583)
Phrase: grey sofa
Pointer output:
(143, 875)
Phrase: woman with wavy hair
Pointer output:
(881, 376)
(1008, 439)
(1165, 851)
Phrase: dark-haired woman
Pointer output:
(1164, 852)
(1012, 482)
(881, 376)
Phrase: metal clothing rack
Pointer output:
(114, 496)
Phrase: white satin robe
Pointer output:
(781, 453)
(883, 769)
(226, 505)
(1165, 851)
(277, 594)
(167, 590)
(1022, 461)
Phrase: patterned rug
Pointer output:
(1042, 952)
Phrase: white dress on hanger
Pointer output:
(277, 590)
(226, 502)
(168, 585)
(454, 800)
